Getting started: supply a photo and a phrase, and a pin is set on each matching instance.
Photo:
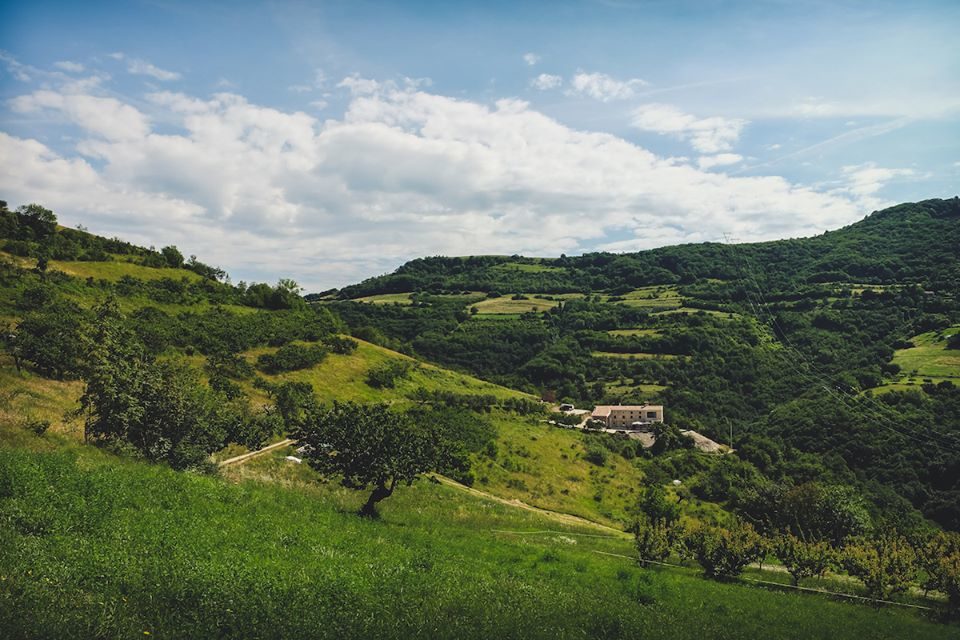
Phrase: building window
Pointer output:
(652, 414)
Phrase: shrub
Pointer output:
(652, 540)
(340, 344)
(725, 553)
(596, 455)
(36, 425)
(386, 375)
(884, 564)
(803, 559)
(291, 357)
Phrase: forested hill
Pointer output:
(912, 242)
(830, 359)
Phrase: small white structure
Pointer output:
(294, 459)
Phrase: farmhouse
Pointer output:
(624, 416)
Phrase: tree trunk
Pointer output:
(381, 491)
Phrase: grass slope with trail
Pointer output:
(97, 546)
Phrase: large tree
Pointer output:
(368, 445)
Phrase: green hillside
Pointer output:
(97, 546)
(182, 370)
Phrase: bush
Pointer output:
(803, 559)
(291, 357)
(596, 455)
(652, 540)
(884, 564)
(386, 375)
(725, 553)
(340, 345)
(36, 425)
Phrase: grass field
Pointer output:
(651, 389)
(545, 466)
(100, 547)
(343, 377)
(113, 271)
(525, 268)
(691, 310)
(506, 305)
(635, 356)
(634, 332)
(929, 359)
(658, 297)
(387, 298)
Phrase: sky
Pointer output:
(332, 141)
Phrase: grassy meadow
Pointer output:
(102, 547)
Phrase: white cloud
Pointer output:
(774, 147)
(359, 86)
(531, 58)
(403, 173)
(139, 67)
(545, 82)
(300, 88)
(866, 180)
(706, 135)
(106, 117)
(319, 104)
(68, 66)
(600, 86)
(719, 160)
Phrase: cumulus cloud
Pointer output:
(403, 173)
(545, 82)
(600, 86)
(719, 160)
(706, 135)
(531, 58)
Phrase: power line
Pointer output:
(876, 411)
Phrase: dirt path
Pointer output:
(564, 518)
(557, 516)
(247, 456)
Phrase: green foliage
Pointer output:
(669, 438)
(368, 445)
(385, 376)
(653, 540)
(596, 454)
(938, 557)
(886, 564)
(803, 559)
(292, 357)
(160, 408)
(657, 506)
(340, 345)
(725, 552)
(52, 339)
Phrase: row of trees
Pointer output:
(886, 563)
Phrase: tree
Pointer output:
(938, 556)
(653, 541)
(172, 256)
(368, 445)
(802, 559)
(885, 564)
(41, 221)
(657, 507)
(114, 377)
(724, 553)
(52, 339)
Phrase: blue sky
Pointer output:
(331, 141)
